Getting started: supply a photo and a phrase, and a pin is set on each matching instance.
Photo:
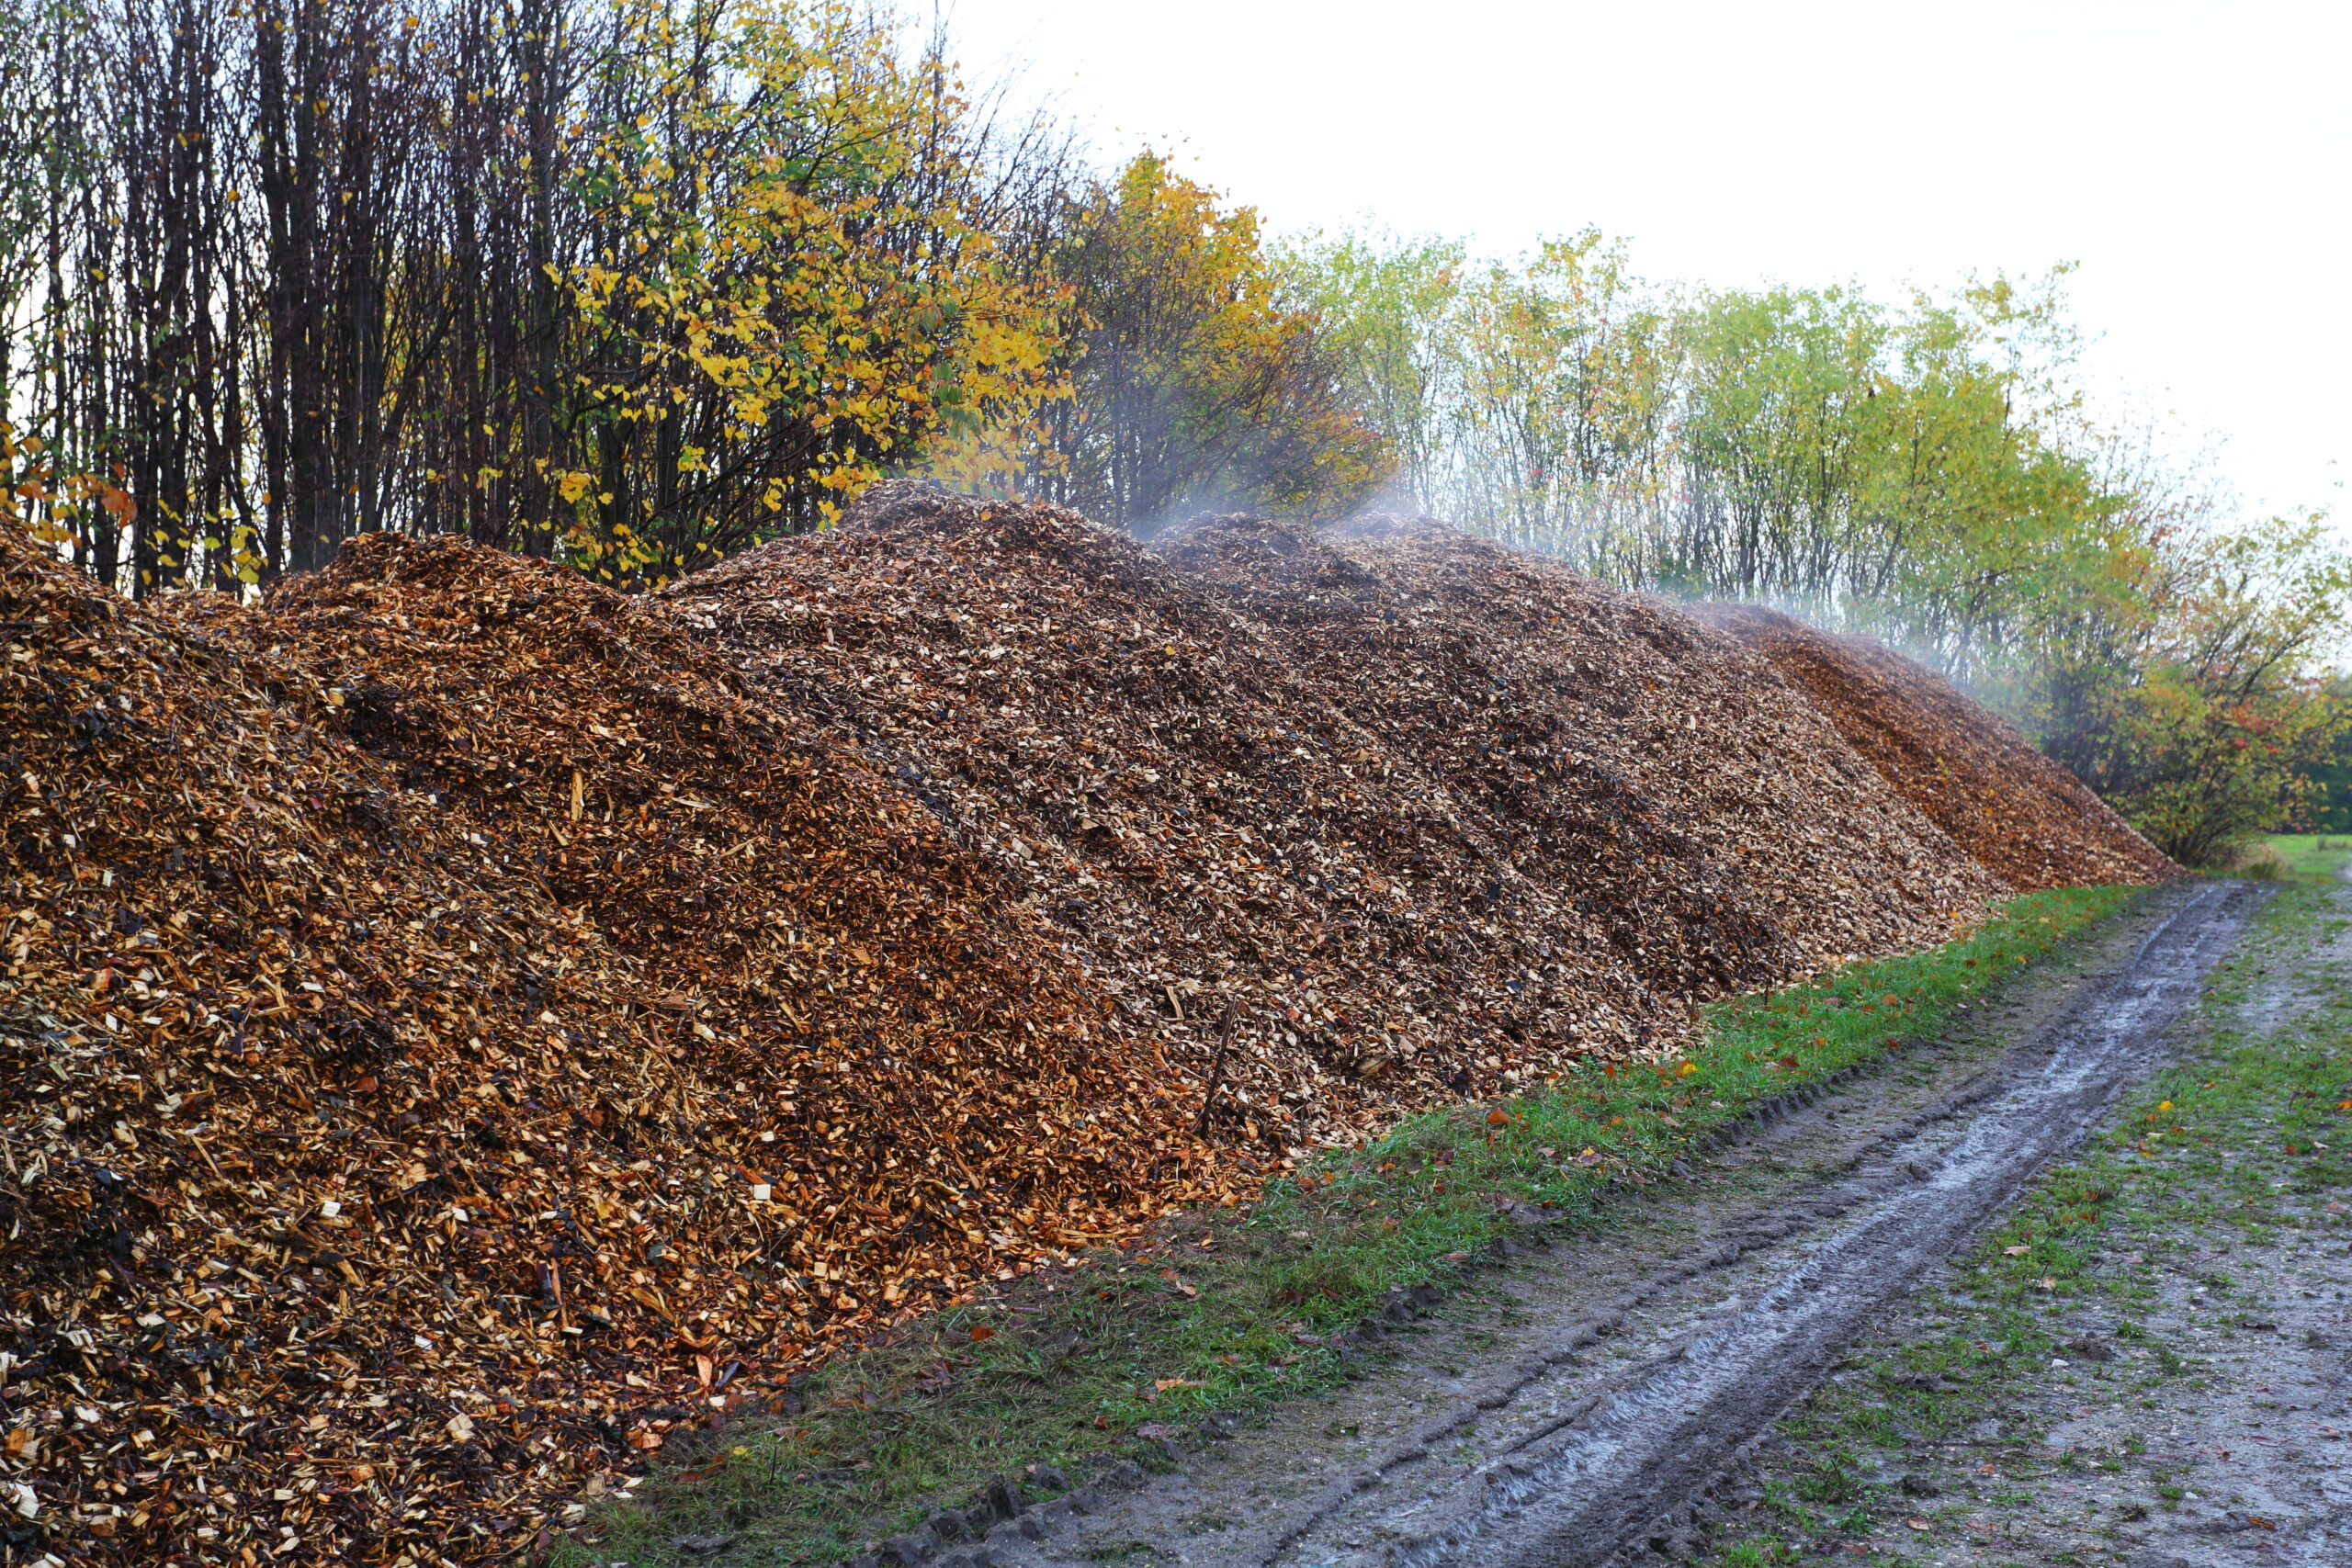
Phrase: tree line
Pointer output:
(636, 283)
(1925, 472)
(625, 280)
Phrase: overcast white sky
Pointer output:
(2195, 159)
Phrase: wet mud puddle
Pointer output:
(1583, 1404)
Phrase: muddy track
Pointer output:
(1606, 1482)
(1601, 1437)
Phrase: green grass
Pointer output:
(1234, 1312)
(2308, 857)
(2152, 1193)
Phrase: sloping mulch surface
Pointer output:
(447, 1041)
(460, 1023)
(1967, 768)
(1421, 817)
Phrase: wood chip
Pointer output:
(2021, 815)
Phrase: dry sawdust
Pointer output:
(2029, 819)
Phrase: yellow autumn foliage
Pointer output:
(796, 293)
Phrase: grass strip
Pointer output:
(2303, 857)
(2233, 1146)
(1236, 1311)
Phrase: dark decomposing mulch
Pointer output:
(2032, 823)
(460, 1023)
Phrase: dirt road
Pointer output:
(2165, 1384)
(1590, 1404)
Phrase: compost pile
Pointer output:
(461, 1022)
(2029, 819)
(1356, 822)
(448, 1039)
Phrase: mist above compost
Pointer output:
(2027, 818)
(460, 1022)
(1422, 816)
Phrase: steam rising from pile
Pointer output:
(1966, 768)
(1426, 816)
(452, 1008)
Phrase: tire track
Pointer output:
(1616, 1474)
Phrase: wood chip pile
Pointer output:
(460, 1022)
(1423, 817)
(441, 1029)
(2025, 817)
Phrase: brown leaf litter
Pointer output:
(2027, 818)
(460, 1022)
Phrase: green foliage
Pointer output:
(638, 282)
(1532, 402)
(2195, 710)
(1199, 381)
(1895, 469)
(2326, 803)
(1386, 309)
(796, 292)
(1920, 473)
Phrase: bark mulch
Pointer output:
(448, 1042)
(2025, 817)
